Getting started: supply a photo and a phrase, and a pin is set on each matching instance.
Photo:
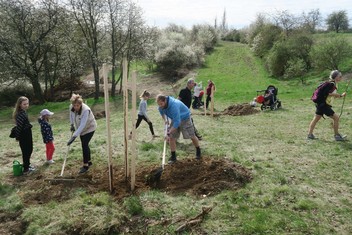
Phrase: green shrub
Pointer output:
(10, 94)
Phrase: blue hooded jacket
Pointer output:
(176, 111)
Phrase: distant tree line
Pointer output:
(51, 44)
(291, 46)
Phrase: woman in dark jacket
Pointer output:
(24, 132)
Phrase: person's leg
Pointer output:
(50, 148)
(85, 139)
(195, 103)
(139, 120)
(313, 123)
(26, 145)
(172, 143)
(335, 119)
(207, 101)
(150, 124)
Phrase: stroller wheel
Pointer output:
(279, 104)
(262, 107)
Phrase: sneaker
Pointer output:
(172, 160)
(311, 137)
(50, 162)
(339, 137)
(31, 168)
(83, 169)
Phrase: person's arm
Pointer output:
(332, 88)
(83, 123)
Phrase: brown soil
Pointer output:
(202, 178)
(235, 110)
(240, 109)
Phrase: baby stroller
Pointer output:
(269, 98)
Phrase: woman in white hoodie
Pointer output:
(83, 124)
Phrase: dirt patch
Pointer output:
(239, 109)
(207, 177)
(235, 110)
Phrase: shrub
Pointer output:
(10, 94)
(330, 53)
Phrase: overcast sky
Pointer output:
(239, 13)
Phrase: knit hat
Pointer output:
(45, 112)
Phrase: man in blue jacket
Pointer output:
(180, 116)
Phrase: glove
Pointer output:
(71, 140)
(72, 129)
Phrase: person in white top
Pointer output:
(197, 102)
(83, 124)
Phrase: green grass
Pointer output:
(298, 186)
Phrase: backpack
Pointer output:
(321, 93)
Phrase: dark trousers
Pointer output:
(139, 120)
(196, 102)
(208, 100)
(85, 146)
(26, 145)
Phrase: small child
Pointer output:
(142, 113)
(47, 134)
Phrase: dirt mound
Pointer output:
(198, 178)
(240, 109)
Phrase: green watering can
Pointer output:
(17, 168)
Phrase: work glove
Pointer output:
(72, 129)
(71, 140)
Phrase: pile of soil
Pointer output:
(206, 177)
(196, 178)
(239, 110)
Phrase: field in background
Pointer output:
(298, 186)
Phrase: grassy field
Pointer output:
(298, 187)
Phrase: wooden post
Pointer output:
(125, 114)
(133, 143)
(108, 129)
(204, 105)
(212, 100)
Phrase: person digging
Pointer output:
(180, 122)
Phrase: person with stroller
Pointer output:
(83, 124)
(185, 96)
(209, 94)
(24, 132)
(197, 102)
(180, 116)
(324, 107)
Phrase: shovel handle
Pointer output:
(63, 165)
(164, 150)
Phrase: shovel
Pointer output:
(155, 175)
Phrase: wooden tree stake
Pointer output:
(108, 129)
